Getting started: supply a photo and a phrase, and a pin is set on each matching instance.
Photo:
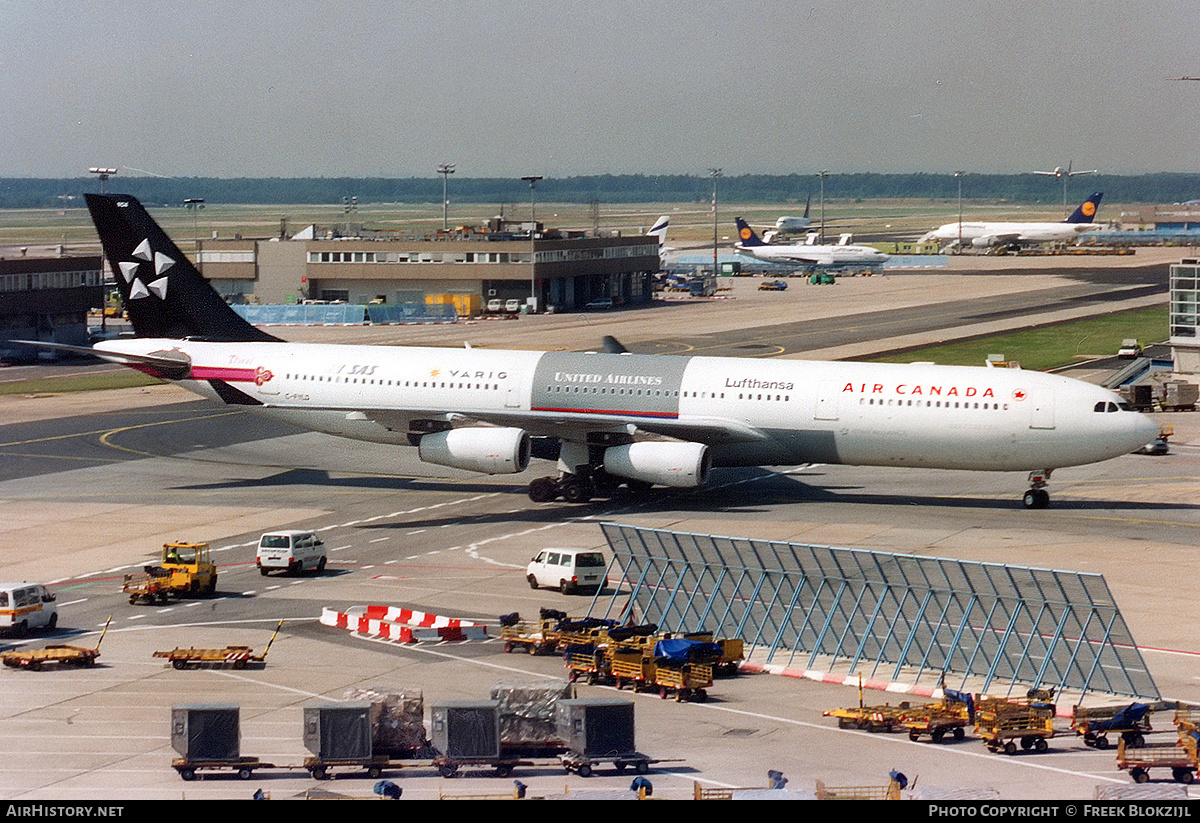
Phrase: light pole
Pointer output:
(823, 174)
(959, 175)
(194, 204)
(103, 172)
(445, 170)
(532, 180)
(715, 174)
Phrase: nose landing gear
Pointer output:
(1037, 497)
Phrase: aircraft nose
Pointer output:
(1145, 429)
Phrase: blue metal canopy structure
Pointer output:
(980, 626)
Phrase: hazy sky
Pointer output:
(303, 88)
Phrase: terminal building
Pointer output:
(47, 299)
(472, 267)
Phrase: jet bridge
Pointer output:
(982, 626)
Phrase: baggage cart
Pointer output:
(1179, 757)
(521, 635)
(243, 767)
(687, 681)
(885, 718)
(236, 656)
(374, 766)
(588, 661)
(1001, 729)
(1187, 718)
(889, 792)
(948, 717)
(35, 659)
(1131, 722)
(585, 765)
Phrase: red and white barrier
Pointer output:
(402, 625)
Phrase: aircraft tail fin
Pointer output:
(1086, 213)
(164, 294)
(746, 235)
(659, 229)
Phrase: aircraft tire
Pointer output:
(1036, 499)
(543, 490)
(576, 490)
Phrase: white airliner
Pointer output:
(808, 253)
(985, 235)
(619, 419)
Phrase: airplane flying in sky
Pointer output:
(808, 253)
(618, 419)
(989, 235)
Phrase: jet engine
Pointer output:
(486, 450)
(682, 465)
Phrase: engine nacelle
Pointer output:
(682, 465)
(486, 450)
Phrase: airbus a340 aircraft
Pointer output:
(843, 253)
(984, 235)
(621, 419)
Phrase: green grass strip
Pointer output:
(89, 382)
(1048, 347)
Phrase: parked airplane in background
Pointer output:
(808, 253)
(991, 235)
(619, 419)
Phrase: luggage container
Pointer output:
(339, 735)
(209, 738)
(597, 730)
(467, 733)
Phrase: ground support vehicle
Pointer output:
(35, 659)
(319, 767)
(185, 570)
(1179, 757)
(236, 656)
(732, 652)
(585, 766)
(937, 720)
(243, 766)
(535, 638)
(501, 766)
(1002, 729)
(889, 792)
(588, 661)
(1187, 718)
(886, 718)
(1131, 722)
(632, 667)
(687, 681)
(772, 285)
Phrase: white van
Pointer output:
(568, 570)
(292, 551)
(24, 607)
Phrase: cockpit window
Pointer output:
(1099, 406)
(1126, 407)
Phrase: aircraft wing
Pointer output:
(569, 426)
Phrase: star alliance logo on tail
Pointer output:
(139, 287)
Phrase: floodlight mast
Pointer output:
(103, 172)
(445, 170)
(532, 180)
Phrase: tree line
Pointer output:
(16, 192)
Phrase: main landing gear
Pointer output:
(579, 488)
(1037, 497)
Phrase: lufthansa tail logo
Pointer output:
(745, 233)
(1089, 208)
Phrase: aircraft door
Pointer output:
(827, 402)
(1041, 409)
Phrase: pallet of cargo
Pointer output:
(1131, 722)
(243, 767)
(1179, 757)
(62, 654)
